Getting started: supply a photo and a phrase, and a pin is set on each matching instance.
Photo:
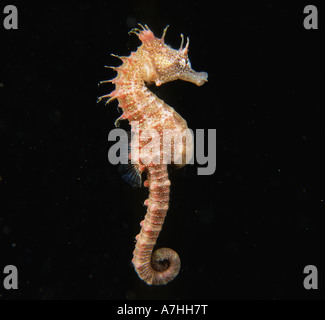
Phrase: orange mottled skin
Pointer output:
(153, 62)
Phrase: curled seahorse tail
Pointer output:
(167, 264)
(163, 265)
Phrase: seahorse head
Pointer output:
(164, 64)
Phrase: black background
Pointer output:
(68, 221)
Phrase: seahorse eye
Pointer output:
(185, 63)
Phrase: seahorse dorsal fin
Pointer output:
(130, 173)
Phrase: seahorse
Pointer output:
(153, 62)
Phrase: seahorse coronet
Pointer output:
(153, 62)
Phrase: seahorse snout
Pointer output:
(198, 78)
